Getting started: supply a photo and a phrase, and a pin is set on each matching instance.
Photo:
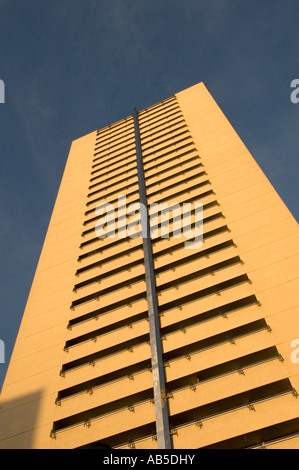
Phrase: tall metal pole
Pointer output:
(161, 406)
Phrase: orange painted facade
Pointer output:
(80, 372)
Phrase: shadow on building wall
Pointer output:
(18, 420)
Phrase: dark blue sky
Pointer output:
(73, 66)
